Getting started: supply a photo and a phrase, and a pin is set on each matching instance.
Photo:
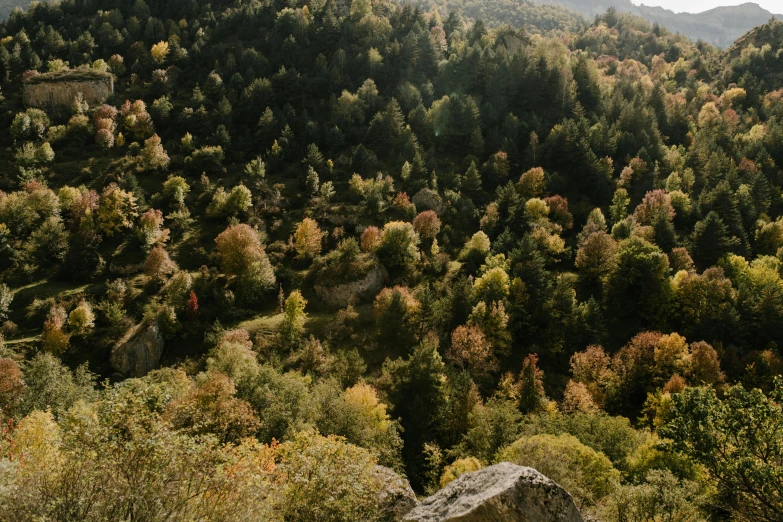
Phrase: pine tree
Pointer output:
(472, 182)
(711, 240)
(531, 386)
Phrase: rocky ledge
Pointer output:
(340, 296)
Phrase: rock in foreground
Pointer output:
(396, 498)
(501, 493)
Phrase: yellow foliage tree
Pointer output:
(154, 156)
(81, 319)
(307, 239)
(457, 468)
(160, 51)
(116, 209)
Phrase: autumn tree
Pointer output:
(150, 231)
(706, 304)
(532, 183)
(307, 239)
(211, 407)
(705, 364)
(11, 384)
(191, 309)
(427, 224)
(371, 239)
(175, 189)
(595, 258)
(239, 200)
(312, 465)
(160, 51)
(469, 348)
(239, 246)
(6, 298)
(153, 155)
(81, 319)
(359, 415)
(116, 210)
(591, 368)
(54, 337)
(159, 265)
(577, 397)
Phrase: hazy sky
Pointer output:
(697, 6)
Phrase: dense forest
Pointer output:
(298, 240)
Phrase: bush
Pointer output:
(660, 497)
(239, 246)
(31, 154)
(105, 139)
(457, 468)
(612, 436)
(30, 125)
(207, 159)
(6, 298)
(81, 319)
(585, 473)
(326, 479)
(398, 249)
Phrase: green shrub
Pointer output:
(585, 473)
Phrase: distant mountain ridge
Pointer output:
(720, 26)
(7, 7)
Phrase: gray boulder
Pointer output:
(501, 493)
(139, 351)
(397, 497)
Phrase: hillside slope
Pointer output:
(294, 241)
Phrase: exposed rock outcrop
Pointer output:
(126, 270)
(59, 89)
(139, 351)
(501, 493)
(340, 296)
(397, 497)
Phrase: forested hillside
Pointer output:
(292, 241)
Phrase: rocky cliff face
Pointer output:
(139, 351)
(61, 93)
(340, 296)
(503, 492)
